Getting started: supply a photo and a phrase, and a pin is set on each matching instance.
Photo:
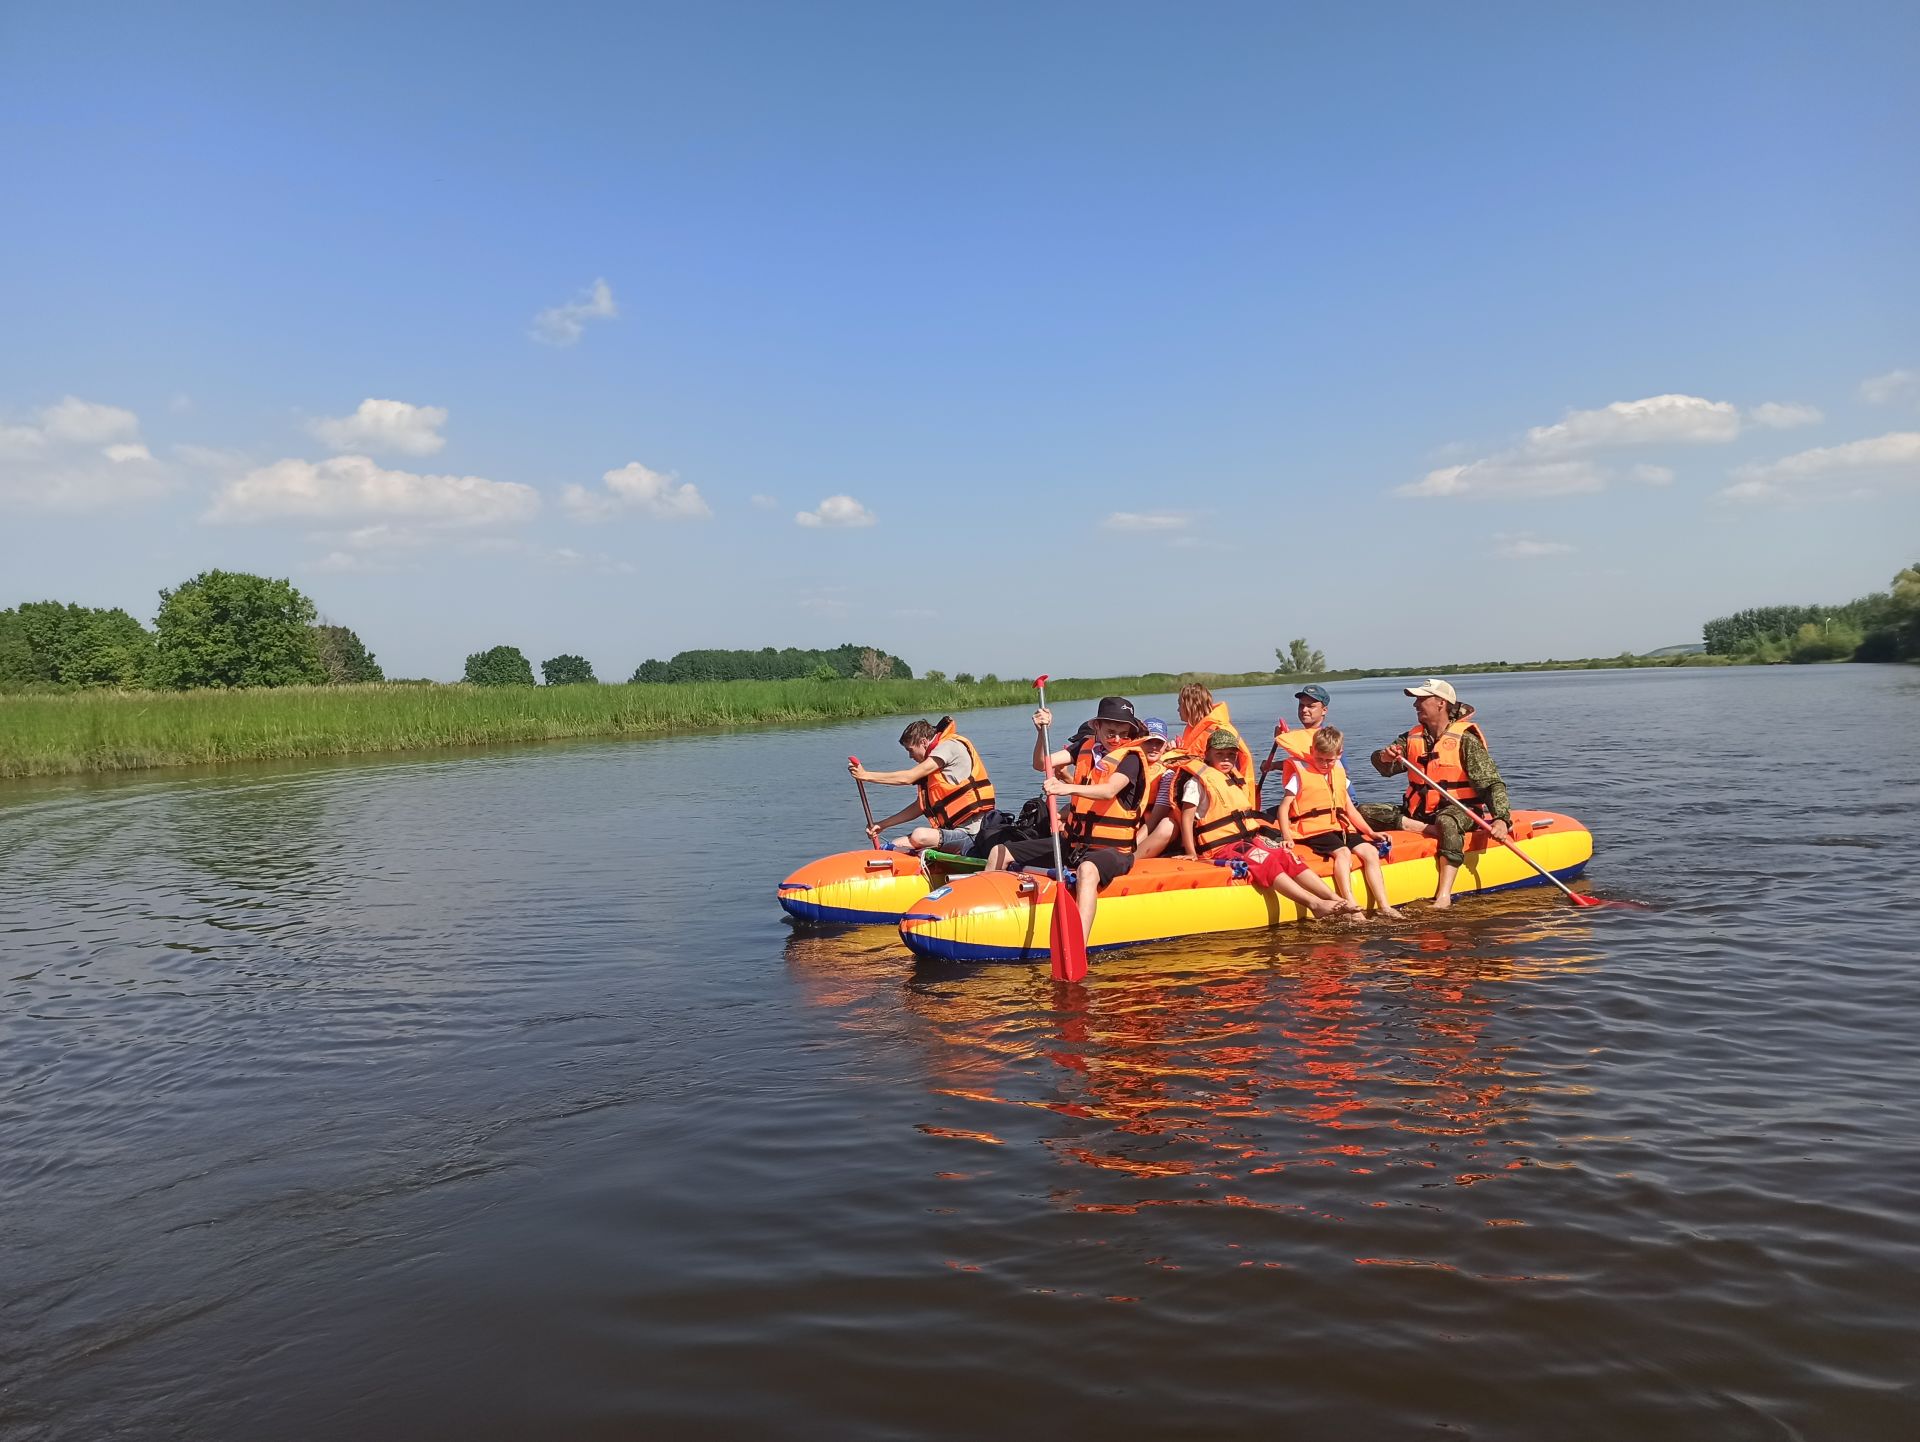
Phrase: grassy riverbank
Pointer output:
(48, 735)
(51, 735)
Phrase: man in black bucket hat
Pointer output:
(1106, 792)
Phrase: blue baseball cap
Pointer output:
(1315, 692)
(1157, 727)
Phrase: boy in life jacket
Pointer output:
(1450, 748)
(1159, 824)
(1310, 706)
(1217, 825)
(955, 793)
(1106, 795)
(1318, 813)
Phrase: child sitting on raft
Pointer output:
(1217, 825)
(1317, 812)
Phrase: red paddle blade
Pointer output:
(1066, 942)
(1039, 683)
(1579, 900)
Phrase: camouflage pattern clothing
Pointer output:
(1449, 829)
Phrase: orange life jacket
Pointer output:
(1441, 762)
(1297, 742)
(951, 806)
(1222, 817)
(1109, 823)
(1193, 746)
(1320, 803)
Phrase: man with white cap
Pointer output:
(1451, 749)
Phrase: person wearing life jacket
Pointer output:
(1452, 750)
(1203, 716)
(1310, 705)
(954, 792)
(1217, 825)
(1317, 812)
(1105, 795)
(1165, 765)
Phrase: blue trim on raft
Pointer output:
(839, 915)
(939, 948)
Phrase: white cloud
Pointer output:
(347, 488)
(562, 325)
(1652, 475)
(78, 455)
(87, 423)
(1145, 521)
(837, 511)
(384, 428)
(635, 488)
(1506, 476)
(1784, 415)
(766, 503)
(1901, 387)
(1657, 420)
(1524, 547)
(1863, 467)
(1549, 460)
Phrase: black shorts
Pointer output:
(1038, 851)
(1328, 842)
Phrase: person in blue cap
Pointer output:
(1158, 827)
(1311, 706)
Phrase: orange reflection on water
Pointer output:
(1223, 1063)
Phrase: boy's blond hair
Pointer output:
(1327, 742)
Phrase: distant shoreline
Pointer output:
(95, 731)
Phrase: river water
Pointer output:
(488, 1094)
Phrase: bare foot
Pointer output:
(1389, 913)
(1327, 909)
(1441, 903)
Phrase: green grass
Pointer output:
(48, 735)
(56, 734)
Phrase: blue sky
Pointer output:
(1087, 338)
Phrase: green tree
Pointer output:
(568, 671)
(45, 643)
(935, 676)
(501, 666)
(1298, 659)
(345, 657)
(963, 678)
(228, 628)
(989, 679)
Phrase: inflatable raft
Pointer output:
(1005, 916)
(866, 888)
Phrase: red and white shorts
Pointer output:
(1265, 864)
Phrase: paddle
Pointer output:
(1066, 942)
(1575, 897)
(1266, 767)
(855, 761)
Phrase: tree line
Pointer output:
(222, 628)
(1879, 626)
(768, 664)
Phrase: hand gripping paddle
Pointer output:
(1066, 942)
